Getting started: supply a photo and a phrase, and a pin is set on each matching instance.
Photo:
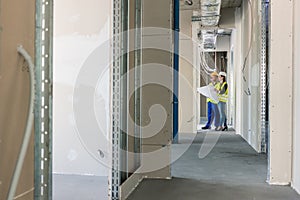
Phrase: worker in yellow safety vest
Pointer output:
(212, 106)
(222, 90)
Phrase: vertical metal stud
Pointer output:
(263, 77)
(124, 90)
(137, 81)
(114, 185)
(43, 97)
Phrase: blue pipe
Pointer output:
(176, 69)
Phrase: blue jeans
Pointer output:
(222, 110)
(212, 114)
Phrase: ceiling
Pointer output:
(231, 3)
(208, 16)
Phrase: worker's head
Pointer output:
(222, 76)
(214, 77)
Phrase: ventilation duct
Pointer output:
(209, 38)
(210, 17)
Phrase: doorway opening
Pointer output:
(235, 42)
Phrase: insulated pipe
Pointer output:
(176, 70)
(27, 134)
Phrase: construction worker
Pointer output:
(212, 106)
(222, 90)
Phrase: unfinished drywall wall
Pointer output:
(157, 68)
(281, 91)
(237, 63)
(296, 100)
(80, 29)
(187, 100)
(247, 72)
(17, 19)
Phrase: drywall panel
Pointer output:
(197, 76)
(187, 98)
(237, 59)
(81, 60)
(130, 184)
(281, 91)
(296, 120)
(247, 62)
(17, 19)
(157, 89)
(157, 98)
(156, 160)
(157, 13)
(157, 79)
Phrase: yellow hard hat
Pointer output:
(214, 74)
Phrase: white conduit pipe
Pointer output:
(27, 134)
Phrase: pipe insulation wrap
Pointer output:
(28, 129)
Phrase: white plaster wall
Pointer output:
(80, 27)
(296, 158)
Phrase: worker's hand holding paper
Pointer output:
(209, 92)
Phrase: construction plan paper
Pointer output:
(209, 92)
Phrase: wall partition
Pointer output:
(126, 98)
(142, 83)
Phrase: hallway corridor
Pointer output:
(232, 170)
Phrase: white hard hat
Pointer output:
(222, 74)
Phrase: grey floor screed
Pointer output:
(75, 187)
(231, 171)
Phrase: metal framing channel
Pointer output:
(263, 75)
(116, 91)
(43, 103)
(137, 79)
(124, 90)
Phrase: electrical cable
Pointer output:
(24, 193)
(28, 130)
(248, 92)
(250, 42)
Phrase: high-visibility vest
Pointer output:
(223, 97)
(209, 99)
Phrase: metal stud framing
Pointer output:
(43, 104)
(116, 91)
(263, 80)
(137, 80)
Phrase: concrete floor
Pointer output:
(231, 171)
(74, 187)
(231, 160)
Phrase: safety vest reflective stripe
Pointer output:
(223, 97)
